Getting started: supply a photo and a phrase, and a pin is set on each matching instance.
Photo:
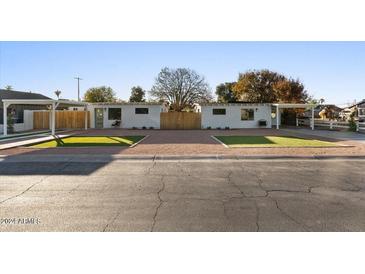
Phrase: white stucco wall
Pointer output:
(129, 118)
(232, 118)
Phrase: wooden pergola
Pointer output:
(53, 104)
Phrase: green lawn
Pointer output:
(88, 141)
(271, 141)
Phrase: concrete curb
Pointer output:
(104, 158)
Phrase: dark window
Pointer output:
(141, 110)
(219, 111)
(247, 114)
(17, 112)
(114, 114)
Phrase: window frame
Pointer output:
(361, 112)
(119, 109)
(143, 113)
(219, 109)
(248, 117)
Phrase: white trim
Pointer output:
(219, 141)
(295, 105)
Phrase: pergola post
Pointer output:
(277, 117)
(86, 118)
(5, 118)
(312, 126)
(53, 120)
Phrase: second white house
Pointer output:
(236, 115)
(125, 115)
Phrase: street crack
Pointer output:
(33, 185)
(159, 204)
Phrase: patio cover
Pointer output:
(52, 103)
(306, 106)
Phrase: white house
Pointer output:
(21, 113)
(130, 115)
(247, 115)
(236, 115)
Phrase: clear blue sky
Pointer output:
(333, 70)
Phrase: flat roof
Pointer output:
(127, 104)
(284, 105)
(233, 104)
(43, 102)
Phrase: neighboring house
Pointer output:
(329, 110)
(357, 109)
(130, 115)
(236, 115)
(18, 110)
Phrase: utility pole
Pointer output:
(78, 87)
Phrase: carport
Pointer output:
(305, 106)
(52, 104)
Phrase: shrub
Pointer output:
(352, 123)
(134, 128)
(151, 127)
(209, 127)
(218, 127)
(144, 127)
(226, 128)
(10, 122)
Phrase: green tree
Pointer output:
(137, 95)
(225, 93)
(8, 87)
(314, 101)
(100, 95)
(352, 122)
(180, 87)
(265, 86)
(58, 93)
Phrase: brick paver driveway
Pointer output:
(194, 142)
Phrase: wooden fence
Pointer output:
(180, 120)
(64, 119)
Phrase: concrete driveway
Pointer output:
(100, 194)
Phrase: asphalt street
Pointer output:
(189, 195)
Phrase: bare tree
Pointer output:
(181, 87)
